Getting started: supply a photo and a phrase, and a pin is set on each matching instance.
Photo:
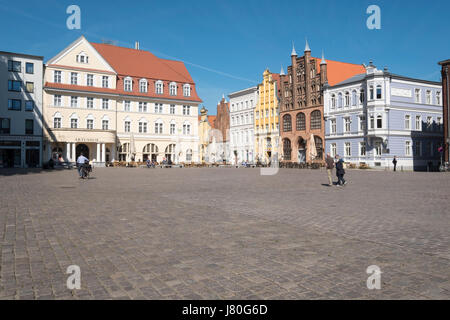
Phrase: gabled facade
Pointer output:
(119, 104)
(376, 115)
(220, 147)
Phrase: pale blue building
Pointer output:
(372, 117)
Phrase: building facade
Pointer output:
(20, 110)
(219, 148)
(119, 104)
(266, 126)
(242, 110)
(446, 108)
(205, 126)
(374, 116)
(301, 101)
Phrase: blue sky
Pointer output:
(227, 44)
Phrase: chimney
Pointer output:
(136, 45)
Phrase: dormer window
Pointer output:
(82, 58)
(187, 90)
(127, 84)
(143, 85)
(173, 89)
(159, 87)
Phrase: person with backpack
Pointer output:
(340, 172)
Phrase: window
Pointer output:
(82, 58)
(418, 123)
(372, 122)
(158, 128)
(287, 123)
(186, 129)
(142, 106)
(90, 80)
(172, 128)
(347, 124)
(90, 103)
(29, 87)
(143, 85)
(287, 150)
(73, 123)
(158, 108)
(257, 115)
(29, 68)
(371, 92)
(57, 100)
(159, 87)
(340, 100)
(127, 126)
(407, 122)
(5, 125)
(14, 104)
(105, 124)
(105, 81)
(333, 126)
(348, 149)
(57, 122)
(74, 101)
(428, 96)
(187, 90)
(189, 155)
(319, 147)
(417, 149)
(438, 98)
(407, 148)
(29, 105)
(316, 120)
(142, 127)
(362, 123)
(439, 123)
(417, 95)
(333, 150)
(127, 84)
(333, 101)
(57, 76)
(14, 66)
(126, 106)
(186, 110)
(90, 124)
(362, 149)
(14, 85)
(347, 99)
(74, 78)
(105, 104)
(379, 92)
(429, 123)
(267, 113)
(354, 98)
(29, 126)
(378, 148)
(173, 89)
(379, 122)
(362, 96)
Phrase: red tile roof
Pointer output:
(339, 71)
(212, 121)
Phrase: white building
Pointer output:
(242, 108)
(20, 110)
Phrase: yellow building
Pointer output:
(205, 125)
(266, 119)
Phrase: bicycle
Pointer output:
(86, 169)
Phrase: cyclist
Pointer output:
(80, 163)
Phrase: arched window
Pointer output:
(319, 147)
(333, 101)
(347, 99)
(173, 89)
(189, 155)
(123, 151)
(287, 123)
(316, 120)
(127, 84)
(82, 58)
(186, 90)
(170, 152)
(287, 149)
(379, 122)
(150, 151)
(354, 98)
(159, 87)
(301, 121)
(143, 85)
(340, 102)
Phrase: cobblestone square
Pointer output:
(223, 233)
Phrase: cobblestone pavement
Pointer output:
(224, 233)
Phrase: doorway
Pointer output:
(82, 149)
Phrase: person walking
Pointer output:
(395, 163)
(330, 165)
(340, 171)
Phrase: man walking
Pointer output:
(330, 165)
(395, 163)
(340, 171)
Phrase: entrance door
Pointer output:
(301, 156)
(82, 149)
(32, 158)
